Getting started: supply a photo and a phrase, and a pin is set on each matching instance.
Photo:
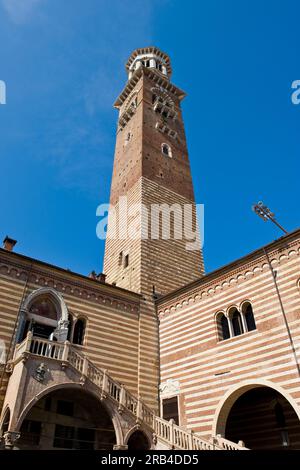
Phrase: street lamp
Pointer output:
(265, 213)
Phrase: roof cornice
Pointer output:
(220, 274)
(153, 75)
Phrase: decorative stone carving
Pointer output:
(40, 372)
(169, 388)
(61, 332)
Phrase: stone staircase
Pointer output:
(166, 434)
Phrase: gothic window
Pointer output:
(79, 331)
(166, 150)
(249, 317)
(41, 317)
(236, 321)
(120, 258)
(223, 327)
(43, 307)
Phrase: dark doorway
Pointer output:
(138, 441)
(263, 419)
(67, 419)
(170, 409)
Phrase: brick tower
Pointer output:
(151, 169)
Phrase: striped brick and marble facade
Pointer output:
(111, 314)
(211, 373)
(153, 354)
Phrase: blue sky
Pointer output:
(63, 64)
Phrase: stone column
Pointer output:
(244, 323)
(231, 332)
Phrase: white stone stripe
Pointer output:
(188, 380)
(193, 376)
(236, 378)
(224, 347)
(211, 333)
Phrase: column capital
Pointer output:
(10, 437)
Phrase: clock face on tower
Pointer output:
(160, 95)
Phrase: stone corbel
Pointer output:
(25, 356)
(82, 380)
(138, 423)
(121, 408)
(9, 367)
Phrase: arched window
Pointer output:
(44, 307)
(223, 327)
(44, 313)
(166, 150)
(236, 321)
(79, 330)
(249, 317)
(41, 318)
(146, 62)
